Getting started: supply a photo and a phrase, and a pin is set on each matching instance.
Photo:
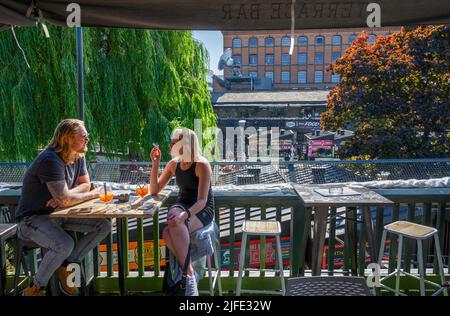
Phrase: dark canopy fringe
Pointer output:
(229, 14)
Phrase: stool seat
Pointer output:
(261, 227)
(411, 230)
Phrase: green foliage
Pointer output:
(394, 94)
(139, 85)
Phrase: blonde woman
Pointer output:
(194, 208)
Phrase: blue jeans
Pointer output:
(51, 233)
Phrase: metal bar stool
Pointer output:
(213, 254)
(214, 280)
(419, 233)
(260, 228)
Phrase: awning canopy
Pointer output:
(226, 14)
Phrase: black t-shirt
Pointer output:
(48, 166)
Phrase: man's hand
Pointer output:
(98, 191)
(65, 197)
(52, 203)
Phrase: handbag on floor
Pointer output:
(173, 286)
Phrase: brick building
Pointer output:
(265, 54)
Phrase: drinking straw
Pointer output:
(104, 186)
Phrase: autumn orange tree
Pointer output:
(394, 94)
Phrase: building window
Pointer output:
(318, 76)
(336, 40)
(269, 74)
(269, 59)
(285, 77)
(285, 59)
(318, 58)
(237, 59)
(302, 58)
(253, 74)
(351, 38)
(237, 42)
(269, 42)
(335, 78)
(320, 40)
(253, 59)
(334, 56)
(301, 76)
(372, 38)
(253, 42)
(302, 41)
(286, 41)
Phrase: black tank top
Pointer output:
(188, 182)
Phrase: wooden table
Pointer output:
(120, 211)
(310, 198)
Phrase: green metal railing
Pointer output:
(233, 207)
(427, 206)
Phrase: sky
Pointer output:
(213, 41)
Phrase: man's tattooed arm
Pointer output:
(65, 198)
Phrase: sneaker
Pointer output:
(191, 286)
(34, 290)
(64, 287)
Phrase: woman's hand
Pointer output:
(155, 154)
(177, 219)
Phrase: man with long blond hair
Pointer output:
(58, 177)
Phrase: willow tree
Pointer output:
(139, 85)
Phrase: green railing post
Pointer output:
(231, 238)
(96, 262)
(33, 262)
(140, 246)
(332, 241)
(262, 245)
(156, 252)
(440, 222)
(278, 219)
(378, 230)
(109, 255)
(125, 247)
(247, 253)
(426, 220)
(409, 242)
(393, 239)
(350, 231)
(362, 250)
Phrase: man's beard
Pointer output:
(82, 150)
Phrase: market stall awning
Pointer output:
(226, 14)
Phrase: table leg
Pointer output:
(367, 218)
(320, 226)
(121, 270)
(300, 230)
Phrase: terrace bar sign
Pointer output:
(224, 14)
